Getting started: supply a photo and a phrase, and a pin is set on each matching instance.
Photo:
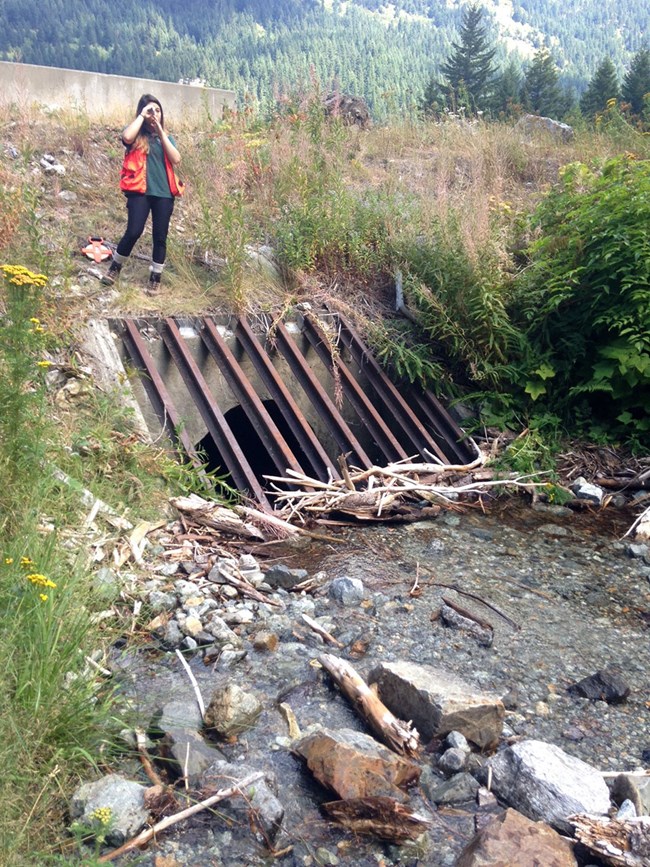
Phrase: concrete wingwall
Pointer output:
(106, 97)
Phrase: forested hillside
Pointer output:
(384, 52)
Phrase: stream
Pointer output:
(565, 598)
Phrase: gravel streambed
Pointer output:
(568, 598)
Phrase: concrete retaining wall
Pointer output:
(106, 97)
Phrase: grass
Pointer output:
(342, 209)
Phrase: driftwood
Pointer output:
(619, 843)
(247, 589)
(368, 493)
(380, 816)
(211, 514)
(398, 735)
(324, 634)
(148, 833)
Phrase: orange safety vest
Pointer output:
(133, 177)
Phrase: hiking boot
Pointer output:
(112, 274)
(154, 283)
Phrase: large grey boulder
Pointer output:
(530, 124)
(438, 703)
(543, 782)
(123, 801)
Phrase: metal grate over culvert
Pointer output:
(260, 397)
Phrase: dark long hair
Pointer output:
(142, 140)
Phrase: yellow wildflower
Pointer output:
(21, 276)
(44, 363)
(42, 597)
(26, 561)
(40, 580)
(103, 815)
(9, 561)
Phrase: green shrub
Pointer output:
(584, 298)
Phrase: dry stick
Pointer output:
(248, 589)
(468, 614)
(399, 735)
(195, 686)
(150, 771)
(322, 632)
(146, 835)
(478, 599)
(278, 522)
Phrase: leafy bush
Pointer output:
(584, 299)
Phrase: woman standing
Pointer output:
(150, 185)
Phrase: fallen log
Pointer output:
(397, 734)
(619, 843)
(380, 816)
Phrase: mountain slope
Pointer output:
(384, 51)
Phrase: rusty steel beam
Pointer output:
(214, 419)
(153, 384)
(443, 424)
(321, 402)
(255, 411)
(399, 410)
(321, 464)
(369, 416)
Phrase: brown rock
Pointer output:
(438, 703)
(354, 765)
(512, 840)
(232, 711)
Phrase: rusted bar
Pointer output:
(153, 384)
(395, 403)
(266, 428)
(442, 423)
(335, 422)
(374, 423)
(321, 464)
(214, 419)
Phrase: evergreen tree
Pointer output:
(469, 69)
(636, 83)
(541, 93)
(506, 99)
(602, 87)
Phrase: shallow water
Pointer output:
(579, 602)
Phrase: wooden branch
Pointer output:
(150, 771)
(248, 590)
(322, 632)
(484, 624)
(148, 833)
(382, 817)
(195, 686)
(398, 735)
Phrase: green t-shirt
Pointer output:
(157, 183)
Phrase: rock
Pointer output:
(530, 124)
(282, 576)
(585, 491)
(106, 584)
(511, 839)
(160, 601)
(457, 741)
(177, 715)
(605, 685)
(452, 760)
(67, 196)
(232, 711)
(354, 765)
(438, 703)
(352, 110)
(543, 782)
(454, 620)
(260, 803)
(627, 810)
(264, 640)
(642, 531)
(639, 551)
(347, 591)
(626, 787)
(125, 800)
(222, 633)
(456, 790)
(172, 636)
(186, 754)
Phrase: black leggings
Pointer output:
(138, 208)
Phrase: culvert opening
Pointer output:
(258, 407)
